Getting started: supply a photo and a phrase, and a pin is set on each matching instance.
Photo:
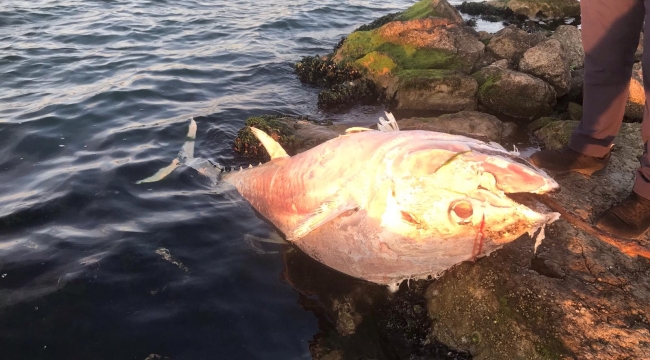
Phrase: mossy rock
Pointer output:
(540, 123)
(246, 143)
(363, 43)
(556, 134)
(431, 8)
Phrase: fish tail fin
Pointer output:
(186, 157)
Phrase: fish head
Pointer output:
(453, 190)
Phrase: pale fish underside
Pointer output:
(389, 205)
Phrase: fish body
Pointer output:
(390, 205)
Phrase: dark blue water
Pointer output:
(95, 95)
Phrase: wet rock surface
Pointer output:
(577, 297)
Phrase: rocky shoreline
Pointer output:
(577, 297)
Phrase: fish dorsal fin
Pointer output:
(274, 149)
(388, 124)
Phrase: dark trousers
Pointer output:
(610, 35)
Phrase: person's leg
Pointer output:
(642, 182)
(631, 217)
(610, 35)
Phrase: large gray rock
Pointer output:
(514, 93)
(571, 40)
(542, 8)
(442, 90)
(511, 43)
(636, 100)
(576, 298)
(548, 62)
(468, 123)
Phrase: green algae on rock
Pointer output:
(556, 134)
(431, 43)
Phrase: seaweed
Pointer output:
(347, 94)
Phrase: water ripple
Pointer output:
(97, 94)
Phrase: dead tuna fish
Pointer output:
(391, 205)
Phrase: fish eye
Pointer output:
(461, 211)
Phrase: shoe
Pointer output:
(628, 219)
(565, 159)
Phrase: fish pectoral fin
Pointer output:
(274, 149)
(162, 173)
(328, 211)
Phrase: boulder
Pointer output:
(511, 43)
(570, 38)
(636, 100)
(555, 9)
(514, 93)
(442, 90)
(548, 62)
(474, 124)
(431, 8)
(575, 298)
(429, 43)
